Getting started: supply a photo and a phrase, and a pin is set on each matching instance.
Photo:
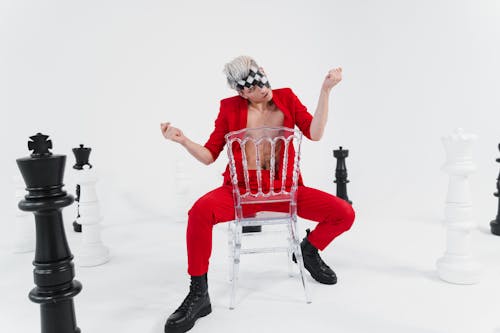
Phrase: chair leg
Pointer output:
(290, 251)
(298, 256)
(230, 246)
(236, 264)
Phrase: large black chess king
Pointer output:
(495, 224)
(341, 173)
(82, 158)
(54, 271)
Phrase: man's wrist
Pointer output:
(184, 142)
(326, 90)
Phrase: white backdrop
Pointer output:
(106, 73)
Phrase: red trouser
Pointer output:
(334, 216)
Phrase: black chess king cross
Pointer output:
(495, 224)
(54, 271)
(341, 173)
(82, 158)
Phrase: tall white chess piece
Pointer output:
(92, 251)
(457, 265)
(24, 224)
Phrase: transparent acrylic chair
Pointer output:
(264, 168)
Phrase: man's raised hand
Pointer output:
(333, 77)
(172, 133)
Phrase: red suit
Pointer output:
(334, 215)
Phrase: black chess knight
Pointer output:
(82, 158)
(341, 173)
(54, 271)
(495, 224)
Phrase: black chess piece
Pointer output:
(251, 228)
(495, 224)
(43, 174)
(341, 173)
(82, 158)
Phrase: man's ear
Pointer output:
(240, 92)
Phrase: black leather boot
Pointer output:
(195, 305)
(314, 264)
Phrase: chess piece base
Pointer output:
(253, 228)
(495, 227)
(92, 256)
(458, 269)
(77, 227)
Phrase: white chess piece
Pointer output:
(24, 239)
(457, 265)
(92, 251)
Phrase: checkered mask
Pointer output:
(254, 78)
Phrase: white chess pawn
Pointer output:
(457, 265)
(24, 224)
(92, 251)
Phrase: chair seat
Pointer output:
(250, 199)
(265, 218)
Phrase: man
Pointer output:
(256, 105)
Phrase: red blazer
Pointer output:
(233, 116)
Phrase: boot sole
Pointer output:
(314, 276)
(184, 328)
(320, 279)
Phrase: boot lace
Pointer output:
(189, 300)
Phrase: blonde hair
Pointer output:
(238, 69)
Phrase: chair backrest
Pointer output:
(264, 164)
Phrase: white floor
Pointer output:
(386, 269)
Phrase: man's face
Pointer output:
(260, 90)
(256, 94)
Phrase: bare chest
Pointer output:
(272, 118)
